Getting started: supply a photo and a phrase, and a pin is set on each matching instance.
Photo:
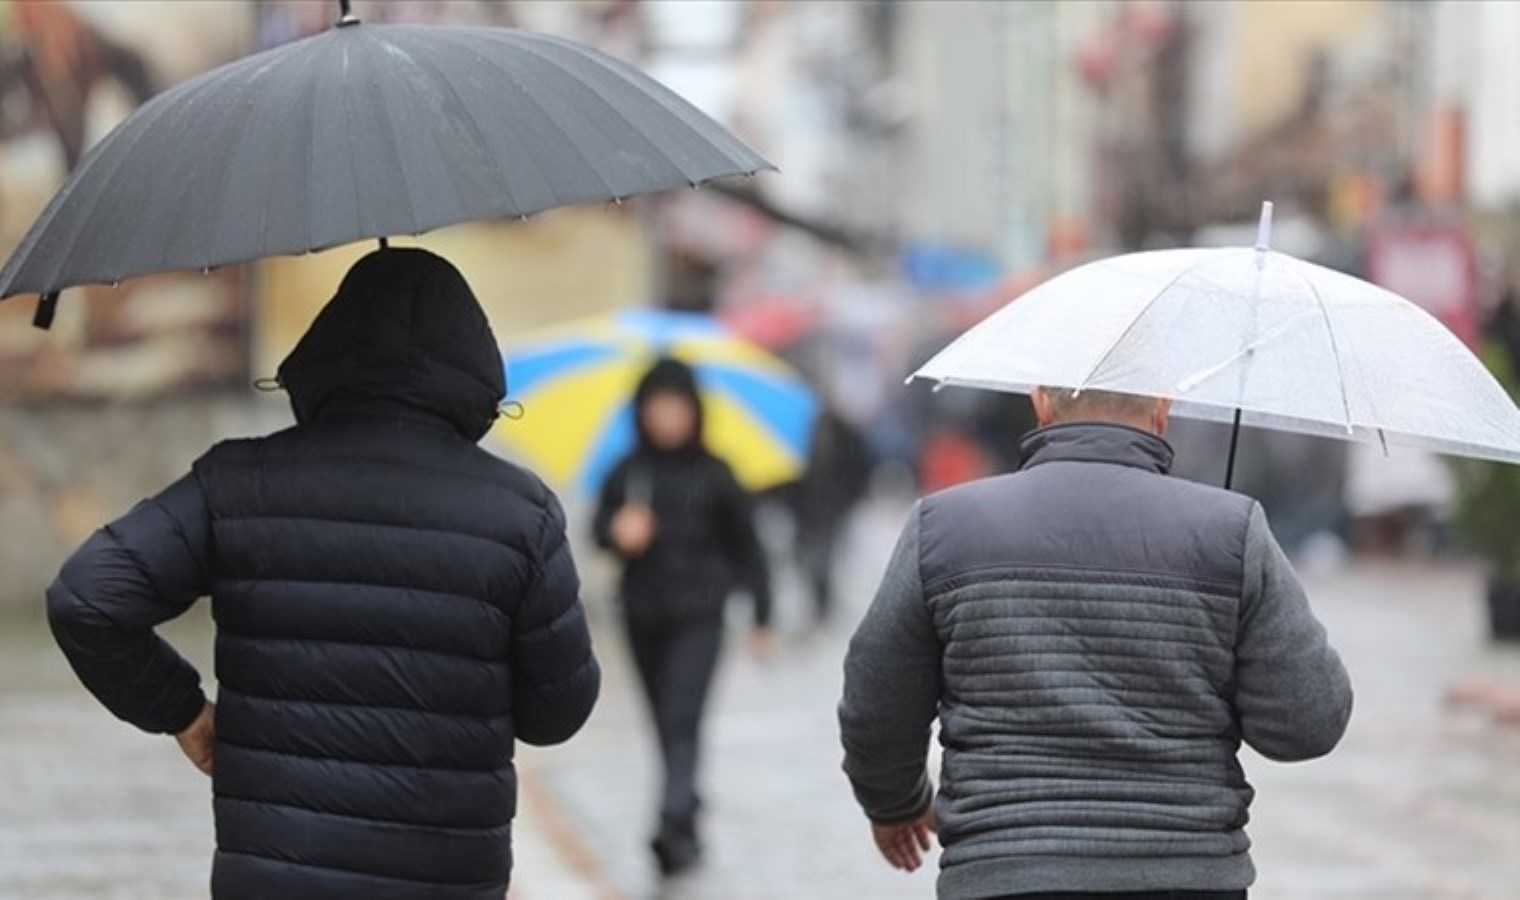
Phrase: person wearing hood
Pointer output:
(395, 607)
(684, 530)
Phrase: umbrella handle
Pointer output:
(47, 305)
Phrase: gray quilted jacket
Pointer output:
(1096, 639)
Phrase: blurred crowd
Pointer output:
(937, 159)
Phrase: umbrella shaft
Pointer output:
(1229, 472)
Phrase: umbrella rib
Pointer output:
(1335, 350)
(394, 146)
(677, 106)
(1192, 381)
(208, 93)
(308, 154)
(224, 184)
(530, 97)
(140, 125)
(441, 78)
(613, 109)
(1114, 345)
(408, 183)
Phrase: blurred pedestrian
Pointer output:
(1503, 324)
(1096, 639)
(394, 607)
(684, 529)
(833, 484)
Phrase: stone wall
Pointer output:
(68, 467)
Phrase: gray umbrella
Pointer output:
(363, 131)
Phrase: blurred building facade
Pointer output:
(936, 158)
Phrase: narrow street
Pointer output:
(1422, 800)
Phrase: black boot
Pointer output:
(676, 848)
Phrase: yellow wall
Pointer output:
(562, 264)
(1273, 43)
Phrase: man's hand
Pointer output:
(633, 529)
(198, 742)
(904, 845)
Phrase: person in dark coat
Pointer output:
(683, 527)
(394, 608)
(833, 483)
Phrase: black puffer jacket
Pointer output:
(705, 543)
(394, 607)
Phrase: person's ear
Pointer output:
(1042, 411)
(1160, 415)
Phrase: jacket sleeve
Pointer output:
(1292, 694)
(145, 568)
(891, 692)
(609, 501)
(736, 513)
(555, 676)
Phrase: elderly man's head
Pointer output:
(1053, 406)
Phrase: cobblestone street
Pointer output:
(1422, 800)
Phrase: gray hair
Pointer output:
(1067, 404)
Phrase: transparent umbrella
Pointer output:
(1245, 335)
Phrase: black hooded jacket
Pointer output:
(705, 543)
(394, 608)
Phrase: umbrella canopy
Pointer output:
(758, 412)
(1250, 335)
(364, 131)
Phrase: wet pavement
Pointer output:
(1422, 799)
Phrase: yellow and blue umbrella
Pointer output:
(576, 383)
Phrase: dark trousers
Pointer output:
(676, 659)
(816, 542)
(1131, 895)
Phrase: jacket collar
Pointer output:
(1097, 442)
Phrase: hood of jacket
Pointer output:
(668, 375)
(403, 337)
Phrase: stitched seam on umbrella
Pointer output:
(1136, 320)
(1335, 351)
(613, 108)
(402, 170)
(678, 107)
(607, 188)
(223, 186)
(486, 59)
(764, 425)
(486, 153)
(188, 183)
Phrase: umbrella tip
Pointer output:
(346, 16)
(47, 305)
(1264, 227)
